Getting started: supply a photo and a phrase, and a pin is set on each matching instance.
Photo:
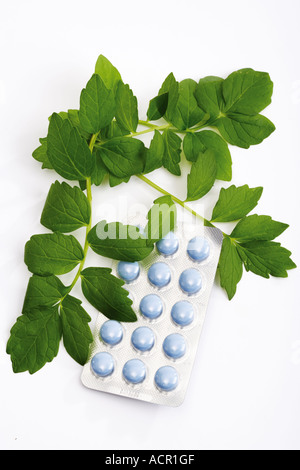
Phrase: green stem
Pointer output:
(134, 134)
(86, 243)
(147, 124)
(201, 125)
(92, 141)
(89, 226)
(204, 123)
(175, 199)
(152, 128)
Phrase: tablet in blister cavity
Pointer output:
(152, 358)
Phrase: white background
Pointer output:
(245, 387)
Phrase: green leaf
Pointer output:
(202, 176)
(112, 131)
(52, 253)
(108, 73)
(244, 131)
(126, 108)
(172, 153)
(162, 219)
(97, 105)
(106, 293)
(158, 107)
(43, 291)
(171, 87)
(120, 242)
(187, 112)
(82, 185)
(266, 258)
(155, 154)
(235, 202)
(115, 181)
(208, 94)
(247, 92)
(68, 152)
(77, 335)
(214, 142)
(66, 209)
(196, 143)
(192, 146)
(63, 114)
(100, 170)
(34, 339)
(123, 156)
(258, 227)
(73, 115)
(230, 267)
(40, 154)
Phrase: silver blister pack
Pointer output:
(152, 359)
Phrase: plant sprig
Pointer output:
(101, 140)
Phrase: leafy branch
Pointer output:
(101, 140)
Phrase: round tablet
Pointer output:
(159, 274)
(168, 245)
(134, 371)
(174, 346)
(198, 249)
(151, 306)
(190, 281)
(128, 271)
(143, 339)
(166, 378)
(111, 332)
(103, 364)
(182, 313)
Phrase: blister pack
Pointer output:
(152, 359)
